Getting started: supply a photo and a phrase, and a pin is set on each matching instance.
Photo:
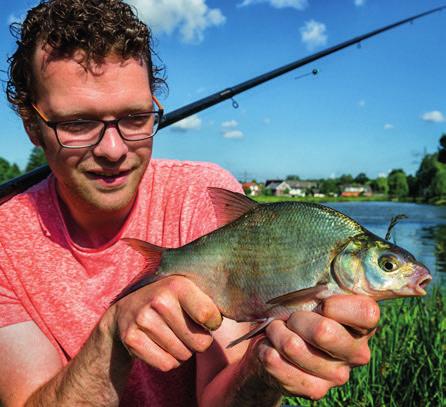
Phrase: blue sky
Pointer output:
(370, 109)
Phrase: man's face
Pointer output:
(105, 177)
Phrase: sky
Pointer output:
(371, 108)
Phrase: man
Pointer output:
(82, 80)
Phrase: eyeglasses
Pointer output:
(81, 133)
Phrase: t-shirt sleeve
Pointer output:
(11, 309)
(203, 220)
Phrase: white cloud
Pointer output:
(12, 18)
(313, 34)
(190, 17)
(435, 116)
(230, 124)
(297, 4)
(359, 3)
(189, 123)
(388, 126)
(361, 103)
(233, 134)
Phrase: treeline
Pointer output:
(428, 184)
(11, 170)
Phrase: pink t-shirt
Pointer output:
(65, 288)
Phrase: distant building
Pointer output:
(290, 187)
(350, 190)
(251, 188)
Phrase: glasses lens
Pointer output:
(79, 133)
(139, 126)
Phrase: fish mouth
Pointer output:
(420, 279)
(421, 284)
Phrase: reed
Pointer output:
(408, 359)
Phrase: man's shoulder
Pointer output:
(185, 167)
(22, 208)
(174, 173)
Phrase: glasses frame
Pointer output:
(107, 123)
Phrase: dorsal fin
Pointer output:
(229, 205)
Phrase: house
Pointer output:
(251, 188)
(290, 187)
(351, 190)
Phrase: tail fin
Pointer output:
(152, 254)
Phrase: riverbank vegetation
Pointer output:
(407, 367)
(427, 185)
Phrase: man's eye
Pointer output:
(135, 121)
(78, 127)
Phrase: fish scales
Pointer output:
(271, 250)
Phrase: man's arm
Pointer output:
(28, 360)
(164, 324)
(161, 323)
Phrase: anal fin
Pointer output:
(258, 329)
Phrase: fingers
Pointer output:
(155, 328)
(164, 323)
(310, 353)
(307, 358)
(330, 337)
(197, 304)
(142, 347)
(169, 311)
(291, 379)
(359, 312)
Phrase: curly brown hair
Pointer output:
(97, 27)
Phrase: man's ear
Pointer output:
(34, 132)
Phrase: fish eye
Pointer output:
(388, 263)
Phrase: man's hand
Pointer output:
(311, 353)
(165, 322)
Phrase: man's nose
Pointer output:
(111, 146)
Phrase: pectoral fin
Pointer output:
(152, 255)
(300, 296)
(257, 330)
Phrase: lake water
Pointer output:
(423, 233)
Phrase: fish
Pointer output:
(265, 261)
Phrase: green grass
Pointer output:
(407, 368)
(270, 199)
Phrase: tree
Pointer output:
(442, 149)
(4, 167)
(361, 178)
(345, 179)
(36, 159)
(8, 171)
(380, 185)
(413, 186)
(438, 186)
(397, 181)
(13, 171)
(426, 172)
(329, 186)
(292, 177)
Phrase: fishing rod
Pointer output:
(21, 183)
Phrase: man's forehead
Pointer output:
(48, 61)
